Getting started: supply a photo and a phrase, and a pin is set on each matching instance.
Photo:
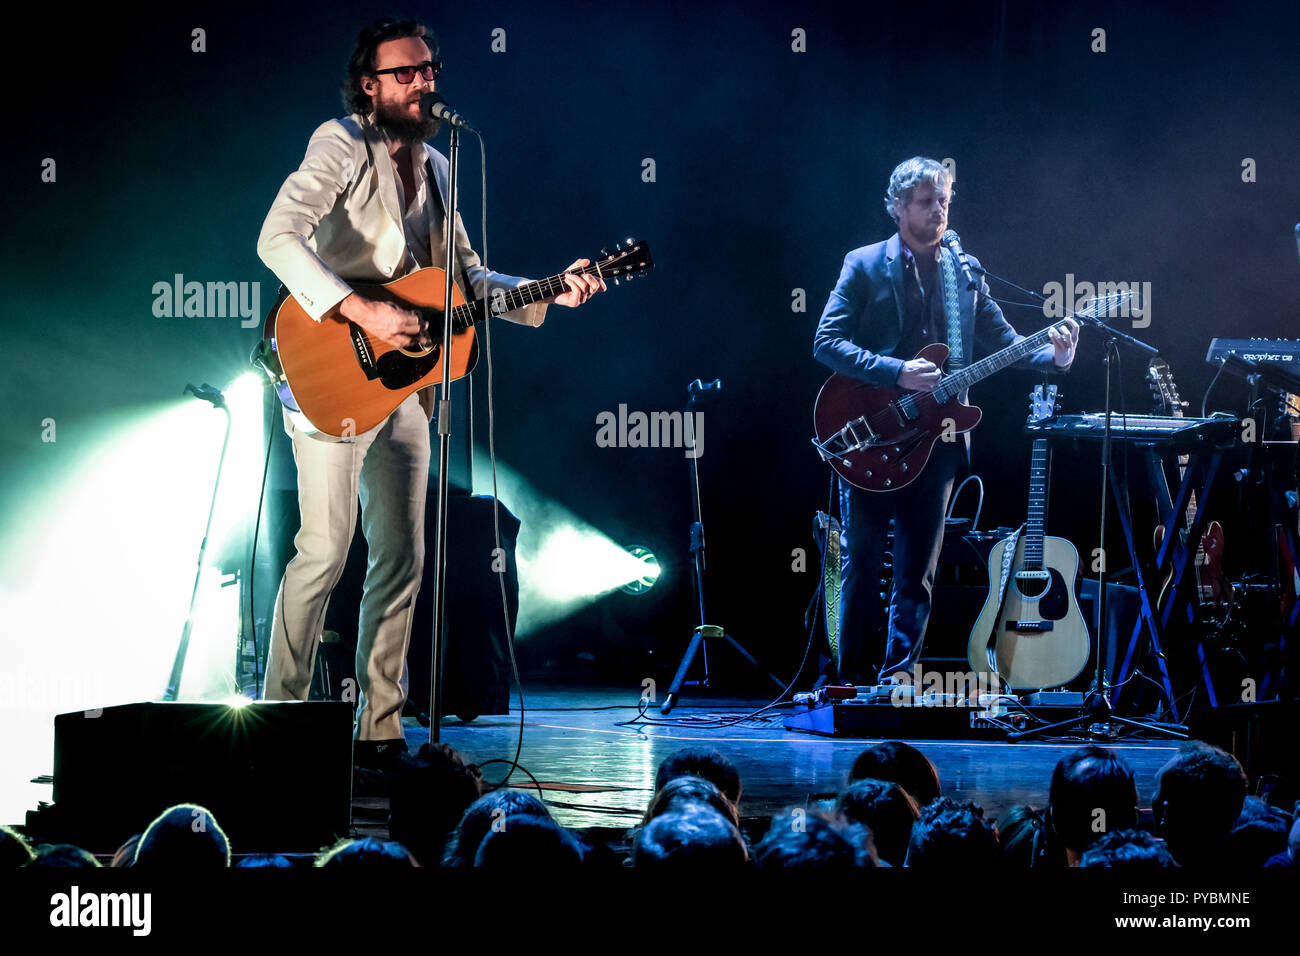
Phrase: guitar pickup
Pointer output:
(1029, 627)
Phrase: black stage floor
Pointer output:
(595, 773)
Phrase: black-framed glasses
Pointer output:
(429, 69)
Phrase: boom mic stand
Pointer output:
(705, 630)
(218, 400)
(1096, 713)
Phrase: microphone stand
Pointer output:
(208, 394)
(444, 444)
(1096, 712)
(705, 630)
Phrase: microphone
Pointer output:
(207, 393)
(953, 243)
(432, 104)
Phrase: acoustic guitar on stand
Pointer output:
(1030, 631)
(340, 380)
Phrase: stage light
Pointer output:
(649, 570)
(564, 563)
(99, 566)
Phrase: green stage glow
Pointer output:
(98, 568)
(564, 563)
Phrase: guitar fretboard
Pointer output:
(500, 301)
(957, 382)
(1037, 506)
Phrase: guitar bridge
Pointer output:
(1029, 627)
(365, 354)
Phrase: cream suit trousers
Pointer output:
(387, 470)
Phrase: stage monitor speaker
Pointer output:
(277, 776)
(476, 662)
(476, 653)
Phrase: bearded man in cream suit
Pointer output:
(367, 205)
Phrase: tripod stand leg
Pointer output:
(1149, 726)
(750, 657)
(680, 677)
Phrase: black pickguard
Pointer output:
(398, 370)
(1054, 604)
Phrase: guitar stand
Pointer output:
(1202, 470)
(704, 632)
(1097, 713)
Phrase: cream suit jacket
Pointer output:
(338, 217)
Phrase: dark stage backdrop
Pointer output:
(772, 130)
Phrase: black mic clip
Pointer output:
(207, 393)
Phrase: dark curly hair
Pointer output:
(950, 835)
(362, 61)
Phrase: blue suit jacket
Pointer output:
(862, 323)
(860, 328)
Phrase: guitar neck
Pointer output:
(507, 300)
(956, 382)
(1037, 520)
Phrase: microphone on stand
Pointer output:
(432, 104)
(953, 243)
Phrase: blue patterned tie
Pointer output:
(951, 309)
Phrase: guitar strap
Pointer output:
(952, 310)
(1008, 558)
(466, 289)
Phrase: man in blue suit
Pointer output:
(893, 298)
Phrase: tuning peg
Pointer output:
(630, 242)
(604, 252)
(616, 280)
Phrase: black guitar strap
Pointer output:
(441, 212)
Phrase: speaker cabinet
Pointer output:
(277, 776)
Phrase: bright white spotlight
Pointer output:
(649, 570)
(564, 563)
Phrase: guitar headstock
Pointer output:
(630, 258)
(1042, 403)
(1105, 305)
(1160, 379)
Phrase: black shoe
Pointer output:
(382, 755)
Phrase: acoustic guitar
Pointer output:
(1032, 633)
(343, 382)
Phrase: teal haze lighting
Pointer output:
(649, 570)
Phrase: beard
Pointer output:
(927, 232)
(396, 123)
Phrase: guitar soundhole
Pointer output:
(1032, 587)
